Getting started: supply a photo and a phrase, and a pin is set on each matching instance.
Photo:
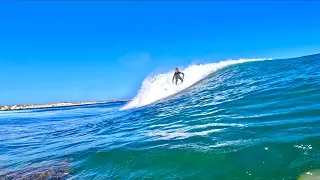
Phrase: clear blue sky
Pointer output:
(53, 51)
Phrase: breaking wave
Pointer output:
(160, 86)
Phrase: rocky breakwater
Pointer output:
(32, 106)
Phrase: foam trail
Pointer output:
(160, 86)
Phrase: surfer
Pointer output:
(177, 75)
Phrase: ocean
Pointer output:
(241, 119)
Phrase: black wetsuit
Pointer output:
(177, 76)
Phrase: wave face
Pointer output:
(161, 86)
(252, 120)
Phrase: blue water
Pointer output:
(253, 120)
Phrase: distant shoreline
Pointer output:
(63, 104)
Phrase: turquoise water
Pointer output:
(254, 120)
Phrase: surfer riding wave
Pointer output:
(159, 87)
(177, 76)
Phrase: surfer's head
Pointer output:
(176, 70)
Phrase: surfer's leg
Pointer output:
(176, 80)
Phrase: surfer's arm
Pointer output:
(183, 75)
(172, 78)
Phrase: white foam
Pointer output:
(178, 134)
(161, 86)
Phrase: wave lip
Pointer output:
(160, 86)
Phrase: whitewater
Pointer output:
(160, 86)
